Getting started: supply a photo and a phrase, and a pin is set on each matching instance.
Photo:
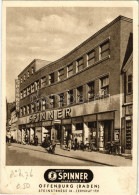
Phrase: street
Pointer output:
(27, 157)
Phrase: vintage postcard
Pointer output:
(69, 97)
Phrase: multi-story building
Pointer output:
(14, 124)
(79, 94)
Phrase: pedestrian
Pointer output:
(75, 144)
(36, 140)
(69, 142)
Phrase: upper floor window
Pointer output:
(104, 85)
(32, 70)
(28, 90)
(37, 85)
(91, 57)
(43, 81)
(28, 74)
(21, 95)
(70, 97)
(80, 94)
(25, 92)
(91, 90)
(80, 64)
(51, 78)
(32, 88)
(52, 101)
(28, 109)
(24, 77)
(21, 81)
(129, 84)
(32, 108)
(61, 74)
(70, 70)
(104, 49)
(61, 99)
(38, 105)
(24, 110)
(43, 104)
(21, 112)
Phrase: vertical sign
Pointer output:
(17, 93)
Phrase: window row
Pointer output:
(104, 51)
(68, 98)
(27, 75)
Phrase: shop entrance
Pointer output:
(105, 133)
(58, 133)
(67, 133)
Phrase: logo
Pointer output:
(68, 175)
(52, 176)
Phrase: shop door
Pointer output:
(107, 132)
(58, 132)
(67, 133)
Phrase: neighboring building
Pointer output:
(127, 118)
(79, 94)
(9, 106)
(14, 124)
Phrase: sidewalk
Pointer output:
(104, 159)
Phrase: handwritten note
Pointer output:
(25, 175)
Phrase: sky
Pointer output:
(48, 34)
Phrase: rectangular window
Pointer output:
(79, 126)
(104, 49)
(28, 74)
(43, 82)
(43, 104)
(21, 80)
(61, 74)
(80, 94)
(91, 57)
(70, 70)
(61, 99)
(38, 105)
(70, 97)
(91, 92)
(24, 77)
(52, 101)
(32, 108)
(24, 110)
(37, 85)
(25, 92)
(21, 112)
(80, 64)
(28, 90)
(32, 88)
(104, 86)
(21, 95)
(129, 90)
(51, 78)
(32, 70)
(28, 109)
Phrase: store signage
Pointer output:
(50, 115)
(17, 94)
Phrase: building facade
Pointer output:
(14, 123)
(80, 94)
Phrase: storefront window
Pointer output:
(92, 132)
(79, 126)
(128, 135)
